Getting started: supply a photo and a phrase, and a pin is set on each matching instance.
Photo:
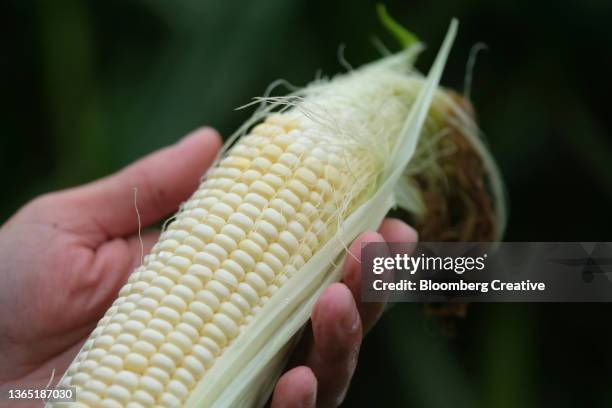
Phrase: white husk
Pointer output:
(245, 373)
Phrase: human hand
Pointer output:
(66, 255)
(327, 356)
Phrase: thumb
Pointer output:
(164, 179)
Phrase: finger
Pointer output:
(391, 230)
(163, 180)
(370, 311)
(141, 246)
(395, 230)
(114, 261)
(337, 336)
(296, 388)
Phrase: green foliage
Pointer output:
(405, 37)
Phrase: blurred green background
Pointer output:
(90, 86)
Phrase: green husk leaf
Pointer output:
(408, 197)
(406, 38)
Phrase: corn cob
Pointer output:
(208, 318)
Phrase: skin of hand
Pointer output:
(66, 254)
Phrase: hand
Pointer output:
(65, 256)
(328, 354)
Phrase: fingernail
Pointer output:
(350, 322)
(382, 249)
(376, 238)
(311, 400)
(376, 247)
(409, 234)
